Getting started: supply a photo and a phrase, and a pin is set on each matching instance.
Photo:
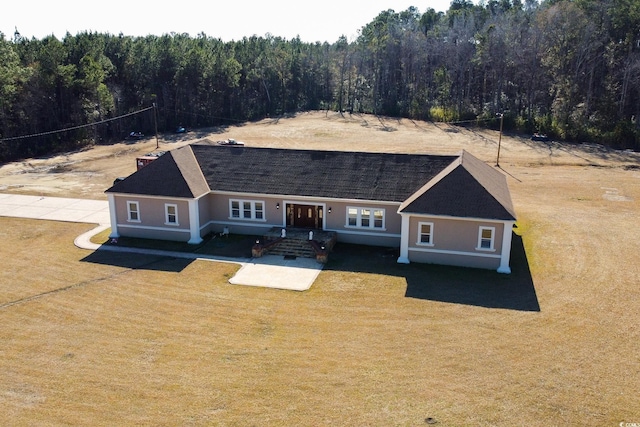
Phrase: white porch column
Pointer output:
(194, 222)
(404, 240)
(112, 216)
(505, 255)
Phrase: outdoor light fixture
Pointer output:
(277, 205)
(329, 209)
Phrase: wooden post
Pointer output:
(499, 140)
(155, 121)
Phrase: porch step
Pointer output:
(296, 243)
(293, 247)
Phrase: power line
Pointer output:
(468, 121)
(186, 113)
(13, 138)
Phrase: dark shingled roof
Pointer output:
(335, 174)
(467, 188)
(174, 174)
(460, 186)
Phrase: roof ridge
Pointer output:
(488, 181)
(190, 170)
(208, 143)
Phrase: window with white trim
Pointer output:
(170, 214)
(378, 218)
(486, 238)
(425, 234)
(246, 209)
(365, 217)
(352, 217)
(133, 212)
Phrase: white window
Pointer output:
(235, 209)
(425, 234)
(378, 218)
(246, 209)
(352, 217)
(365, 218)
(171, 214)
(486, 237)
(133, 212)
(258, 210)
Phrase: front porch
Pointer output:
(294, 242)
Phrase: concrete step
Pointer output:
(288, 247)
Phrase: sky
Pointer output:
(322, 20)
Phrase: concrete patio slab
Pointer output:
(273, 271)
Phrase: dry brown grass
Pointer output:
(108, 339)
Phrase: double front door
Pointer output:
(304, 216)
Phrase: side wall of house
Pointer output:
(204, 210)
(458, 242)
(152, 218)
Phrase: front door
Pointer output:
(304, 216)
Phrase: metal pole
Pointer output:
(155, 121)
(499, 140)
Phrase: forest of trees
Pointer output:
(570, 69)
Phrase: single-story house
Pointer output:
(443, 209)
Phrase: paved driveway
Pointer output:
(269, 271)
(55, 208)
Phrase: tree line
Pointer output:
(570, 69)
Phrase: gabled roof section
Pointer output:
(467, 188)
(174, 174)
(332, 174)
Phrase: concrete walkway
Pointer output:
(269, 271)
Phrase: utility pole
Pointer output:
(155, 121)
(499, 138)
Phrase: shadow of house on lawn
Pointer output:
(483, 288)
(138, 261)
(233, 246)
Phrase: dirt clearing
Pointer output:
(87, 173)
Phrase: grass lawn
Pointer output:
(110, 339)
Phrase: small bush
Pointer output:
(443, 114)
(624, 135)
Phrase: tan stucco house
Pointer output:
(443, 209)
